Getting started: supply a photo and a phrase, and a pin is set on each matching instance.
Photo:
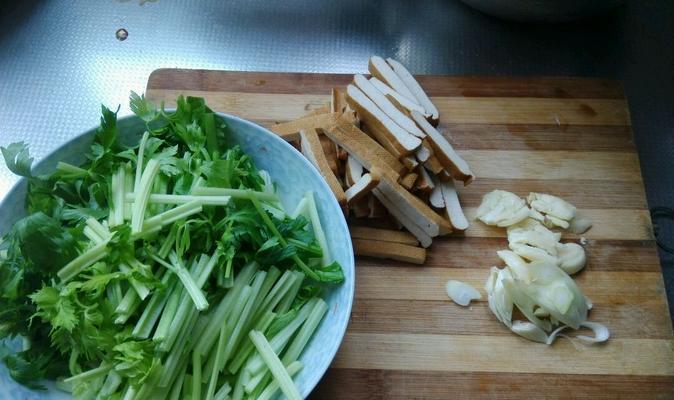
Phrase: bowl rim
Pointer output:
(44, 162)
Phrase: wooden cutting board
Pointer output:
(566, 136)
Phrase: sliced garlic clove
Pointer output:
(500, 303)
(529, 331)
(601, 333)
(502, 209)
(552, 206)
(571, 256)
(533, 233)
(552, 222)
(461, 293)
(533, 253)
(517, 265)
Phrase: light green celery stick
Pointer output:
(91, 235)
(297, 345)
(180, 354)
(237, 394)
(209, 335)
(114, 188)
(187, 387)
(70, 169)
(275, 212)
(169, 312)
(178, 385)
(184, 309)
(168, 242)
(157, 222)
(154, 308)
(223, 392)
(92, 374)
(300, 209)
(273, 274)
(142, 192)
(140, 159)
(207, 270)
(127, 306)
(159, 188)
(219, 353)
(114, 293)
(83, 261)
(289, 298)
(158, 198)
(112, 382)
(246, 348)
(259, 380)
(128, 207)
(149, 389)
(272, 388)
(318, 229)
(141, 289)
(232, 319)
(234, 193)
(194, 291)
(275, 366)
(244, 318)
(118, 196)
(130, 393)
(281, 286)
(196, 376)
(96, 226)
(281, 339)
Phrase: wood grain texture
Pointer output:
(566, 136)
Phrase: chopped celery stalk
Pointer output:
(275, 366)
(276, 212)
(168, 242)
(208, 336)
(268, 183)
(207, 270)
(153, 310)
(83, 261)
(234, 193)
(247, 347)
(289, 298)
(178, 384)
(237, 394)
(193, 290)
(180, 354)
(196, 376)
(96, 226)
(139, 159)
(223, 392)
(168, 217)
(118, 189)
(219, 354)
(181, 199)
(272, 276)
(316, 225)
(70, 169)
(127, 306)
(187, 386)
(142, 194)
(169, 312)
(128, 187)
(281, 339)
(112, 382)
(92, 374)
(92, 235)
(300, 209)
(141, 289)
(184, 309)
(255, 381)
(275, 296)
(297, 345)
(270, 391)
(130, 393)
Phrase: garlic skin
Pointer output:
(502, 208)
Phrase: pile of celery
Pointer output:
(165, 270)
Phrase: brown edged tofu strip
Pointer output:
(330, 153)
(425, 182)
(388, 250)
(341, 153)
(435, 198)
(408, 180)
(337, 101)
(313, 151)
(433, 165)
(363, 148)
(453, 207)
(362, 187)
(424, 216)
(424, 239)
(384, 235)
(354, 170)
(415, 88)
(424, 151)
(360, 208)
(443, 176)
(291, 130)
(386, 106)
(456, 166)
(380, 124)
(384, 142)
(377, 209)
(382, 71)
(403, 103)
(410, 162)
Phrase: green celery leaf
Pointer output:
(331, 273)
(18, 159)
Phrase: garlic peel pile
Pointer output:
(461, 293)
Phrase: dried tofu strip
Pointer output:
(337, 101)
(456, 166)
(410, 162)
(408, 180)
(377, 209)
(382, 71)
(380, 124)
(290, 131)
(363, 148)
(313, 151)
(354, 170)
(388, 250)
(435, 198)
(387, 107)
(453, 207)
(415, 88)
(425, 239)
(433, 165)
(425, 182)
(360, 208)
(385, 235)
(384, 141)
(362, 187)
(443, 176)
(403, 103)
(330, 153)
(424, 152)
(427, 219)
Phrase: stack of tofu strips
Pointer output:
(377, 146)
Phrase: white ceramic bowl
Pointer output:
(293, 174)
